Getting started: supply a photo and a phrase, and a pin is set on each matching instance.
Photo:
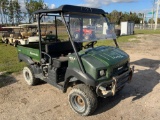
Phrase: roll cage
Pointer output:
(61, 12)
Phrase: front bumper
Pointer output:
(109, 88)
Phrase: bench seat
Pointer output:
(59, 51)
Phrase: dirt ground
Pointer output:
(138, 100)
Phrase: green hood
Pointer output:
(107, 55)
(100, 58)
(103, 58)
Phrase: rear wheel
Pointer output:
(82, 100)
(29, 76)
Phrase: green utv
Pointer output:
(65, 61)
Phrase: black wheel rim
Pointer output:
(78, 103)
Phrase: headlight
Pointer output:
(102, 73)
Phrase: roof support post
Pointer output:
(39, 32)
(74, 48)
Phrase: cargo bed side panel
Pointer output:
(30, 52)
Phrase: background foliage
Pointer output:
(11, 13)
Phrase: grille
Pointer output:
(120, 69)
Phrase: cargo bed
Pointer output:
(52, 49)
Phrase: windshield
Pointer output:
(89, 27)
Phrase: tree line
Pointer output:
(117, 17)
(11, 13)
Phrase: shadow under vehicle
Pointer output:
(90, 71)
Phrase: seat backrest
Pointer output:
(24, 34)
(59, 48)
(51, 38)
(43, 33)
(17, 35)
(7, 34)
(29, 34)
(11, 35)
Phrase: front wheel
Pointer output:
(82, 100)
(29, 76)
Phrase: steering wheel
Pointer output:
(90, 44)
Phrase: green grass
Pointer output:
(9, 60)
(125, 38)
(120, 40)
(141, 31)
(63, 37)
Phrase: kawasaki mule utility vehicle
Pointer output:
(67, 61)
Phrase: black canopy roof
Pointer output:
(71, 9)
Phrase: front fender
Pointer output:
(85, 78)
